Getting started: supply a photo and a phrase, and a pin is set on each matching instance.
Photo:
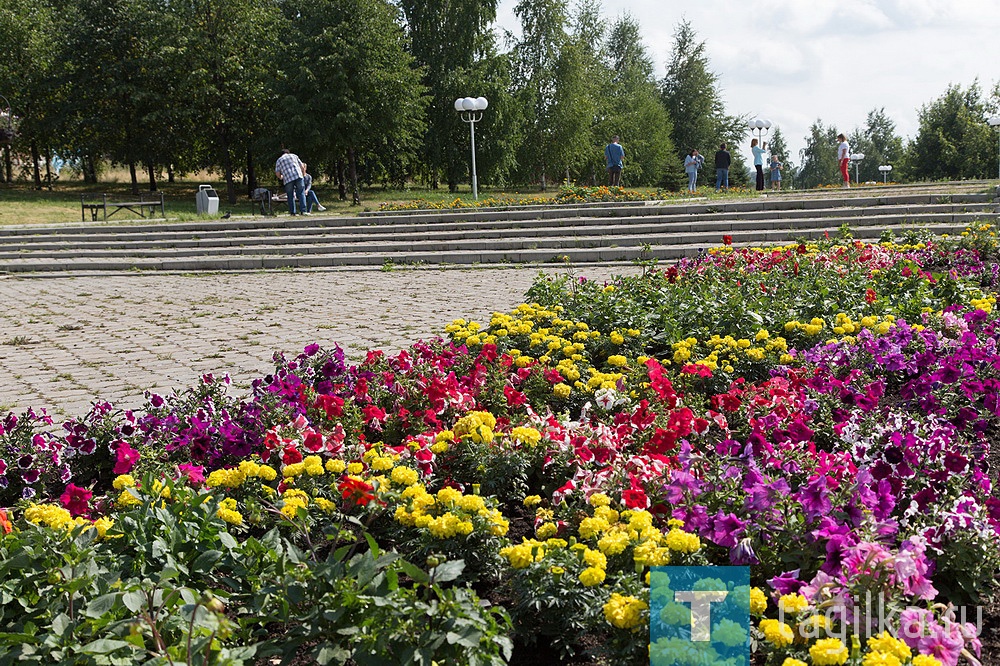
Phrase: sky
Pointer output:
(796, 61)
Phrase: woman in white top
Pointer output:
(844, 158)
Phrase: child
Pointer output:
(775, 166)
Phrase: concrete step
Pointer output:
(669, 248)
(708, 232)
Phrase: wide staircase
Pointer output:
(586, 233)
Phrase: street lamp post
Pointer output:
(761, 126)
(472, 109)
(885, 169)
(856, 157)
(995, 122)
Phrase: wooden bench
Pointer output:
(147, 203)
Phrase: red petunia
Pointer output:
(291, 455)
(125, 458)
(727, 240)
(76, 500)
(357, 491)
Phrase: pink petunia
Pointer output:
(126, 458)
(76, 500)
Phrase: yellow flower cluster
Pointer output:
(776, 633)
(614, 532)
(123, 481)
(476, 426)
(57, 518)
(378, 460)
(252, 470)
(448, 513)
(828, 652)
(227, 512)
(843, 325)
(887, 644)
(225, 478)
(758, 601)
(985, 304)
(792, 604)
(529, 437)
(293, 499)
(310, 465)
(624, 612)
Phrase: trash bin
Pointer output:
(207, 201)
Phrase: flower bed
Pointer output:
(823, 413)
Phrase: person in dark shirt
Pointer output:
(614, 156)
(723, 160)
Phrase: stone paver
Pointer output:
(67, 341)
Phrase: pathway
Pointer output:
(67, 341)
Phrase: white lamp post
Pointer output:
(472, 109)
(995, 122)
(761, 126)
(856, 157)
(885, 169)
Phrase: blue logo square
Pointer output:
(699, 615)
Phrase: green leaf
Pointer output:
(101, 605)
(134, 600)
(104, 646)
(448, 571)
(206, 561)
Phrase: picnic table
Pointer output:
(146, 203)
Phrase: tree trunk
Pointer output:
(251, 173)
(91, 168)
(48, 168)
(34, 166)
(8, 165)
(543, 179)
(353, 166)
(341, 180)
(170, 173)
(135, 179)
(227, 165)
(152, 177)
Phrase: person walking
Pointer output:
(844, 159)
(775, 166)
(614, 157)
(723, 160)
(758, 162)
(311, 198)
(290, 170)
(692, 163)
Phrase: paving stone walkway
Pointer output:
(67, 341)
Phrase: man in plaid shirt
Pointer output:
(289, 169)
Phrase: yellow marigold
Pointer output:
(532, 500)
(471, 503)
(613, 543)
(591, 527)
(592, 576)
(623, 611)
(325, 505)
(102, 525)
(599, 499)
(225, 478)
(293, 470)
(525, 435)
(123, 481)
(355, 468)
(617, 338)
(595, 558)
(828, 652)
(335, 466)
(267, 473)
(448, 495)
(50, 515)
(519, 556)
(161, 489)
(886, 642)
(792, 603)
(381, 463)
(127, 499)
(249, 468)
(649, 554)
(880, 659)
(404, 476)
(926, 660)
(230, 516)
(562, 390)
(617, 361)
(776, 633)
(791, 661)
(682, 542)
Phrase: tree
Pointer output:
(953, 140)
(819, 157)
(636, 113)
(451, 40)
(691, 94)
(370, 106)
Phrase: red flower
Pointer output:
(5, 522)
(126, 458)
(194, 473)
(697, 369)
(313, 442)
(331, 404)
(76, 500)
(373, 414)
(727, 240)
(291, 456)
(635, 499)
(514, 397)
(870, 295)
(356, 491)
(801, 249)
